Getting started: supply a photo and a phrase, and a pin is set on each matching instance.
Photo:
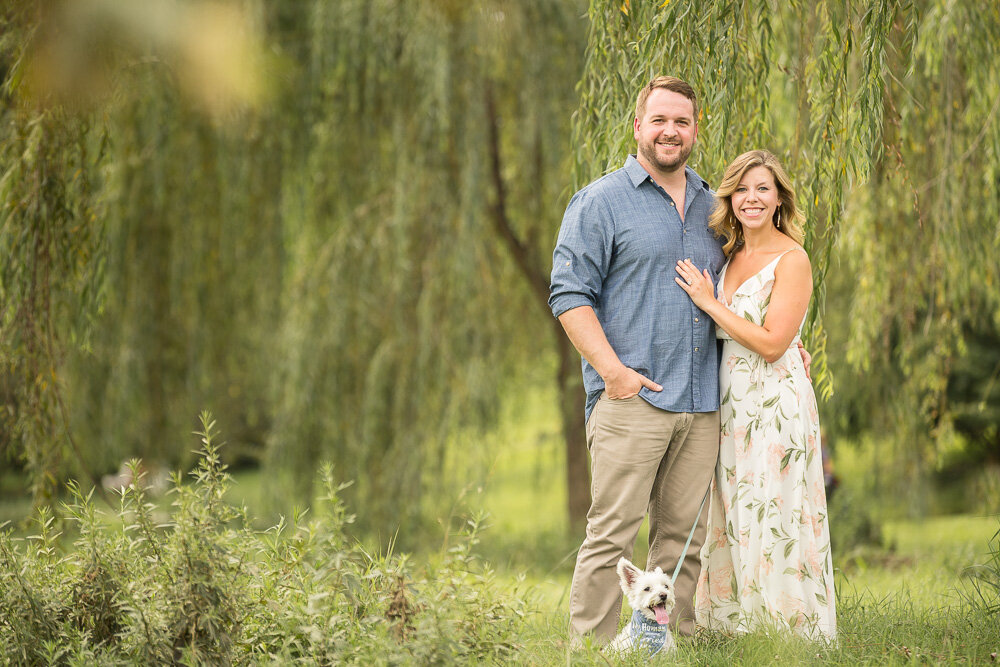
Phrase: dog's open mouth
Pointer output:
(662, 617)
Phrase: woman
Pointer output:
(766, 558)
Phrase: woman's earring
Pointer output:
(777, 222)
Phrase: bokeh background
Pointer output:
(331, 224)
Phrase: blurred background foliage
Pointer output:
(331, 223)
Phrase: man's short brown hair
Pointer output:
(671, 83)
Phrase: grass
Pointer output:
(927, 560)
(899, 603)
(904, 602)
(895, 606)
(900, 606)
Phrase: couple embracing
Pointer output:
(686, 306)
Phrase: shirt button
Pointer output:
(696, 319)
(695, 349)
(671, 203)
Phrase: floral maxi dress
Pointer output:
(766, 559)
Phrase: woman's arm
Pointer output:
(789, 301)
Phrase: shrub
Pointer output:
(205, 588)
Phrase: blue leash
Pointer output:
(680, 561)
(647, 633)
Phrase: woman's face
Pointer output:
(755, 199)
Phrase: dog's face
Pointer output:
(649, 592)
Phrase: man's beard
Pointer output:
(649, 152)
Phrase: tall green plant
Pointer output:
(50, 235)
(432, 162)
(205, 587)
(919, 243)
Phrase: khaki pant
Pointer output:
(643, 459)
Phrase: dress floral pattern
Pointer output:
(766, 560)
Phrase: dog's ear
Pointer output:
(659, 570)
(627, 572)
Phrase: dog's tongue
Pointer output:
(662, 617)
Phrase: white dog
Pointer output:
(651, 596)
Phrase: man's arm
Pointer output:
(806, 358)
(587, 335)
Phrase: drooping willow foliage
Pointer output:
(342, 271)
(48, 282)
(349, 262)
(885, 115)
(777, 77)
(920, 252)
(402, 304)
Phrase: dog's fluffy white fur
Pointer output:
(652, 594)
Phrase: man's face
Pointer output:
(667, 131)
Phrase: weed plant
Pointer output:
(205, 588)
(982, 590)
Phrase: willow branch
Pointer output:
(964, 156)
(537, 279)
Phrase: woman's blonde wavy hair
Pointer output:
(788, 219)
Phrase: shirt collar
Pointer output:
(636, 172)
(637, 175)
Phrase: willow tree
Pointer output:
(338, 271)
(355, 267)
(158, 329)
(149, 193)
(49, 237)
(429, 183)
(885, 115)
(775, 77)
(919, 247)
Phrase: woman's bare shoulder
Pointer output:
(794, 263)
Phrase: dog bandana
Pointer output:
(646, 633)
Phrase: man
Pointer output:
(650, 359)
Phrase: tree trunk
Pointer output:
(571, 409)
(569, 380)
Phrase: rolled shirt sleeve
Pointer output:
(582, 255)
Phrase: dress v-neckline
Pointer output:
(727, 299)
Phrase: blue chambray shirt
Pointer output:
(620, 240)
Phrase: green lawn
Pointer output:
(904, 601)
(528, 531)
(896, 603)
(926, 562)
